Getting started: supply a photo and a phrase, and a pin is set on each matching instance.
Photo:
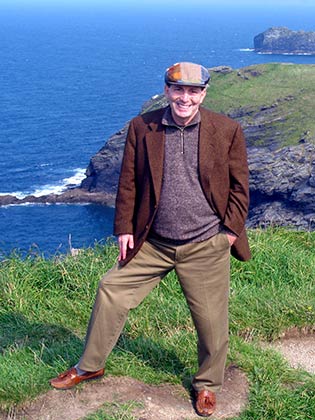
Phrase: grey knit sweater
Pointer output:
(184, 213)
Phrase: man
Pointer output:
(181, 204)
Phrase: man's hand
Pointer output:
(231, 238)
(125, 241)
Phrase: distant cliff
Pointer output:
(274, 104)
(282, 40)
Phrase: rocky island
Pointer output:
(274, 104)
(281, 40)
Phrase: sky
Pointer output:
(161, 3)
(47, 8)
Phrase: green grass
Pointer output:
(45, 306)
(287, 91)
(113, 411)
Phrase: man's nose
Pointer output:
(184, 96)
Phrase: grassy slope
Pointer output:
(45, 306)
(287, 91)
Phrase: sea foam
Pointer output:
(58, 188)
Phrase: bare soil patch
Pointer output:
(165, 402)
(299, 350)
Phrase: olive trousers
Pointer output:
(203, 270)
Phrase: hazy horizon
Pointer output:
(145, 4)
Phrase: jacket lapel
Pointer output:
(207, 141)
(155, 141)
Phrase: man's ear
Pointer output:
(167, 92)
(203, 95)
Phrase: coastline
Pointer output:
(70, 196)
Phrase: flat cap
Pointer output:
(189, 74)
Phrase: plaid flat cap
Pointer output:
(189, 74)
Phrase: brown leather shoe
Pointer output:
(205, 403)
(70, 378)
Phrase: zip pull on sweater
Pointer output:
(181, 129)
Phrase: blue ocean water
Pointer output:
(70, 78)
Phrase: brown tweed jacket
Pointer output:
(223, 173)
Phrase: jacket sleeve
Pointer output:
(126, 193)
(238, 200)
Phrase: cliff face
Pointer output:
(282, 40)
(282, 181)
(102, 174)
(282, 186)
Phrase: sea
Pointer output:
(70, 77)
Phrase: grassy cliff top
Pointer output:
(278, 96)
(45, 306)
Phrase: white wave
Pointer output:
(308, 54)
(72, 181)
(24, 205)
(69, 182)
(17, 194)
(45, 204)
(76, 179)
(270, 53)
(48, 189)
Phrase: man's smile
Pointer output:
(184, 102)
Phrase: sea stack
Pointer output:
(281, 40)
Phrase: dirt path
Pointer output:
(166, 402)
(299, 351)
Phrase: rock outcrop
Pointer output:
(102, 174)
(282, 186)
(281, 40)
(70, 196)
(282, 183)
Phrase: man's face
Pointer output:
(184, 102)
